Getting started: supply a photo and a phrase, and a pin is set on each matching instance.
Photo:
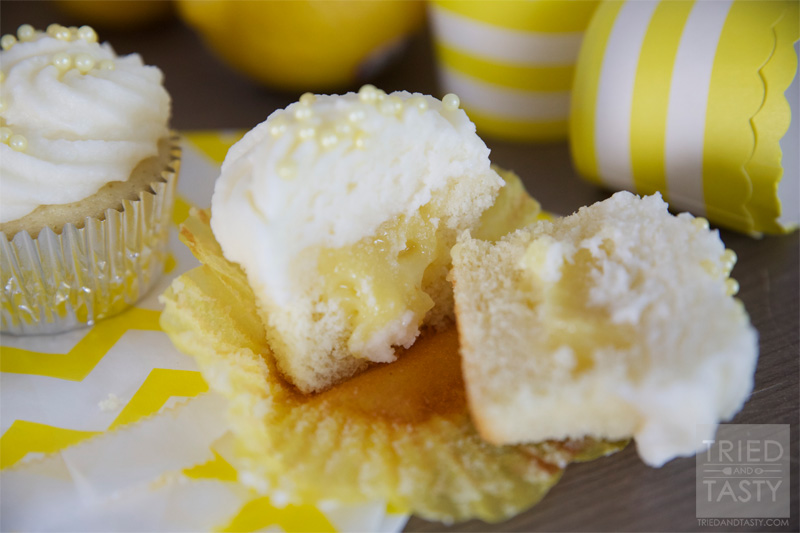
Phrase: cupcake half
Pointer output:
(88, 168)
(341, 211)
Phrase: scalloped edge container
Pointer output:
(511, 63)
(58, 282)
(690, 99)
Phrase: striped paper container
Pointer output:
(693, 99)
(511, 62)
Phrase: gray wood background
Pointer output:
(617, 493)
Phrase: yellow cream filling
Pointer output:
(559, 290)
(379, 279)
(512, 209)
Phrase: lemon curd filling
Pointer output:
(512, 209)
(378, 281)
(559, 290)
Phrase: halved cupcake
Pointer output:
(342, 210)
(618, 321)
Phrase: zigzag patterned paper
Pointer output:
(114, 359)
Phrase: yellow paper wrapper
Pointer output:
(687, 98)
(511, 62)
(399, 432)
(59, 281)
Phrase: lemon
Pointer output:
(302, 44)
(116, 14)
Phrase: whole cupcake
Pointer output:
(88, 168)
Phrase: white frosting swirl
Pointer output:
(82, 130)
(278, 194)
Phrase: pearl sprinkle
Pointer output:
(62, 61)
(7, 41)
(18, 142)
(84, 63)
(307, 133)
(328, 139)
(87, 34)
(728, 259)
(304, 123)
(356, 115)
(303, 113)
(731, 287)
(307, 99)
(25, 32)
(391, 105)
(451, 102)
(418, 102)
(63, 33)
(277, 126)
(368, 93)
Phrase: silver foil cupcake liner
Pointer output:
(57, 282)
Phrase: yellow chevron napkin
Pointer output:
(111, 427)
(694, 99)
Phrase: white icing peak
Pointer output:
(73, 116)
(328, 170)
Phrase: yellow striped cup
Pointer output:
(693, 99)
(511, 62)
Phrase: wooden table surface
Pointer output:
(617, 493)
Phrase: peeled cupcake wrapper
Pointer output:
(511, 62)
(57, 282)
(687, 98)
(398, 433)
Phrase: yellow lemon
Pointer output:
(303, 44)
(116, 14)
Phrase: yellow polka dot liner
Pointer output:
(511, 62)
(399, 433)
(693, 99)
(55, 282)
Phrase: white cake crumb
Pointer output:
(111, 403)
